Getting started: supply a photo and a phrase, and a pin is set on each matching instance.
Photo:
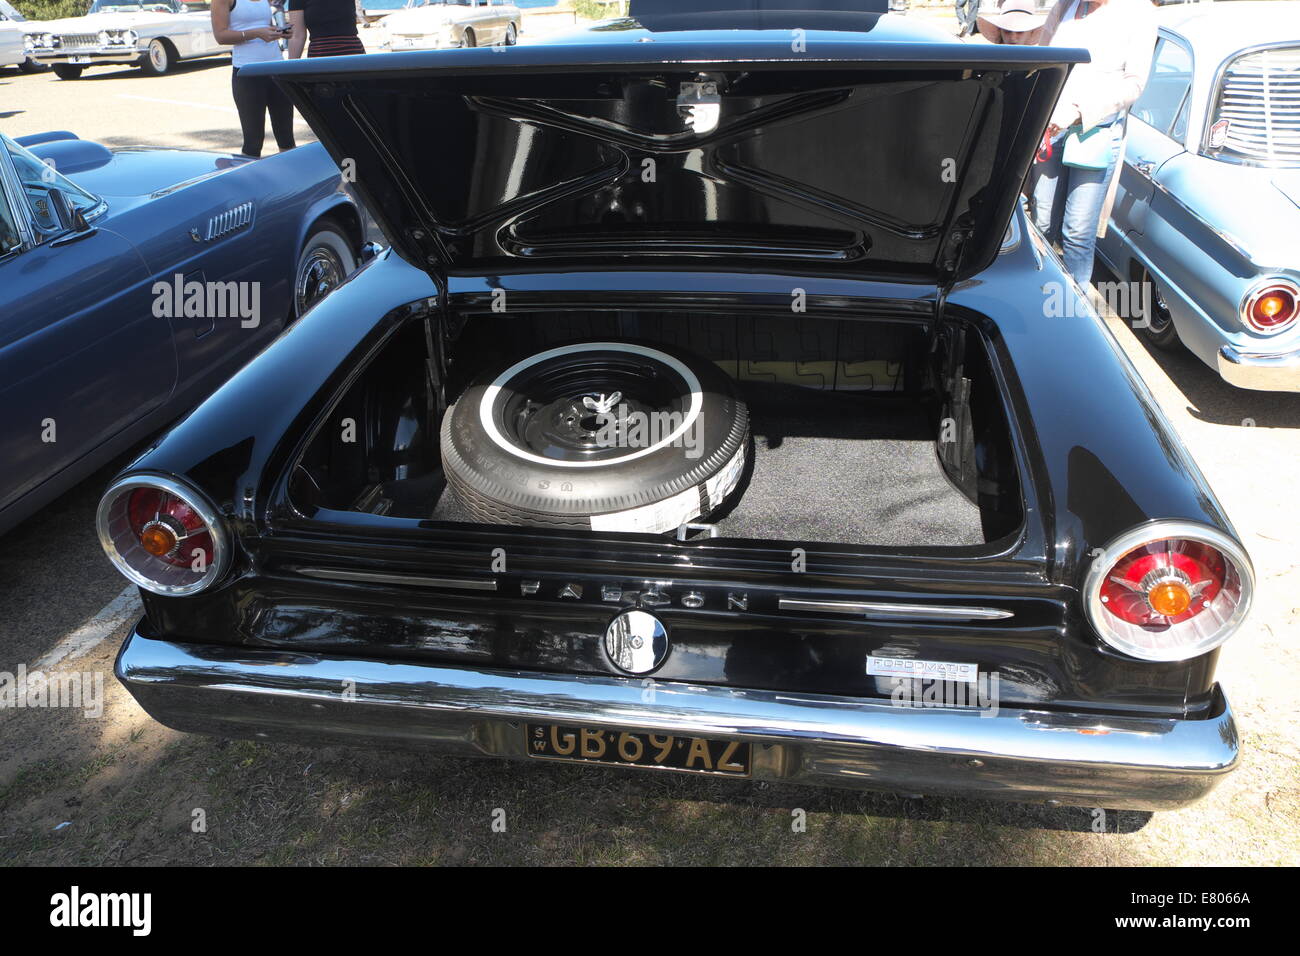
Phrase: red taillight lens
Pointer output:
(1169, 592)
(1271, 306)
(162, 535)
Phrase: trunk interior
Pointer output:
(872, 432)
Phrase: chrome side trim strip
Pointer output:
(919, 612)
(417, 580)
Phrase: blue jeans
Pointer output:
(1068, 201)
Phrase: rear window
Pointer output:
(1256, 117)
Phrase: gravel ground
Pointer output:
(122, 789)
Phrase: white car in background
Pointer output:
(151, 34)
(12, 50)
(440, 24)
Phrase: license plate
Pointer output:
(78, 59)
(728, 758)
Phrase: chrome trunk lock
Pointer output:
(700, 105)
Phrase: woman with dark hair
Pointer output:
(331, 25)
(245, 25)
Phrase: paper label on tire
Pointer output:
(672, 513)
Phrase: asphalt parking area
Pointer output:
(119, 788)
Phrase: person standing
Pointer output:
(330, 25)
(1085, 134)
(1016, 22)
(245, 26)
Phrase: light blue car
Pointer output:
(1207, 207)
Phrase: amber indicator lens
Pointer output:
(1169, 598)
(158, 540)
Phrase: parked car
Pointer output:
(13, 51)
(437, 512)
(152, 34)
(1206, 205)
(100, 341)
(439, 24)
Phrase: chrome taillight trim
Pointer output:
(1148, 533)
(1257, 291)
(194, 500)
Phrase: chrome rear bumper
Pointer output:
(1028, 756)
(1266, 371)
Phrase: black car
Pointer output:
(714, 409)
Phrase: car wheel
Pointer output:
(512, 35)
(32, 66)
(159, 58)
(1157, 325)
(66, 71)
(326, 259)
(608, 436)
(470, 39)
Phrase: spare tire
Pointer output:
(607, 436)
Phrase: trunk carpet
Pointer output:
(845, 469)
(835, 467)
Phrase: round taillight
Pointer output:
(1271, 305)
(1168, 591)
(162, 535)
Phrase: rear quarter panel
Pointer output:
(1105, 457)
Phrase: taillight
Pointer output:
(1168, 591)
(162, 535)
(1271, 305)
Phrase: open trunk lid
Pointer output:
(881, 151)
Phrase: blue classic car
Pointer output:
(104, 336)
(696, 421)
(1206, 205)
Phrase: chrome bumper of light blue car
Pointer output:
(1266, 371)
(1022, 755)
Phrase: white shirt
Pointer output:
(1121, 37)
(252, 15)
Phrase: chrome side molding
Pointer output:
(415, 580)
(916, 612)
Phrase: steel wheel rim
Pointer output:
(1158, 316)
(320, 273)
(158, 55)
(526, 410)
